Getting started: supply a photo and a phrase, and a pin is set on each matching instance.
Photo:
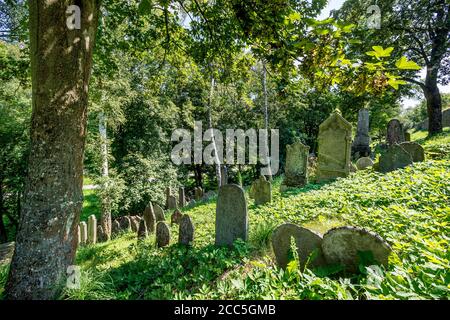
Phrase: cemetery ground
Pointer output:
(408, 207)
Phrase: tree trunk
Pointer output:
(210, 125)
(105, 219)
(3, 235)
(434, 102)
(60, 69)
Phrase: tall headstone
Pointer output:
(334, 148)
(296, 168)
(149, 217)
(168, 194)
(231, 215)
(394, 132)
(394, 158)
(262, 191)
(181, 197)
(415, 150)
(172, 202)
(142, 232)
(134, 223)
(361, 144)
(92, 230)
(186, 231)
(115, 228)
(162, 234)
(223, 175)
(79, 235)
(159, 213)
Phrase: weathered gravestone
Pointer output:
(346, 246)
(125, 223)
(186, 231)
(92, 230)
(149, 217)
(78, 235)
(296, 168)
(262, 191)
(198, 193)
(101, 235)
(407, 136)
(394, 158)
(142, 232)
(334, 148)
(162, 234)
(415, 150)
(168, 194)
(175, 217)
(231, 215)
(209, 195)
(172, 202)
(159, 213)
(115, 228)
(83, 232)
(307, 242)
(134, 223)
(181, 197)
(364, 163)
(394, 132)
(361, 144)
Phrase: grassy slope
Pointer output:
(409, 208)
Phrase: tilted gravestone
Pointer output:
(172, 202)
(142, 232)
(334, 148)
(186, 231)
(83, 232)
(262, 191)
(162, 234)
(92, 230)
(394, 132)
(346, 246)
(181, 197)
(149, 217)
(175, 217)
(296, 168)
(361, 144)
(394, 158)
(307, 242)
(231, 215)
(364, 163)
(415, 150)
(159, 213)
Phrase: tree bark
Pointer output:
(434, 102)
(105, 219)
(3, 235)
(60, 68)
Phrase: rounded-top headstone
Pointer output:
(231, 215)
(186, 231)
(159, 213)
(415, 150)
(364, 163)
(395, 133)
(115, 228)
(175, 217)
(394, 158)
(306, 241)
(162, 234)
(344, 245)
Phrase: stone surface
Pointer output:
(341, 246)
(407, 136)
(168, 193)
(223, 175)
(6, 252)
(149, 217)
(394, 158)
(334, 148)
(162, 234)
(78, 235)
(394, 132)
(92, 230)
(361, 143)
(198, 194)
(159, 213)
(445, 121)
(83, 232)
(172, 202)
(296, 168)
(181, 197)
(306, 241)
(142, 232)
(125, 223)
(415, 150)
(175, 217)
(231, 215)
(134, 223)
(115, 228)
(186, 231)
(262, 191)
(101, 235)
(364, 163)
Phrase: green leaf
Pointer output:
(394, 83)
(405, 64)
(145, 7)
(348, 28)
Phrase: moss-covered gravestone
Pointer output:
(142, 232)
(92, 230)
(415, 150)
(296, 168)
(181, 197)
(364, 163)
(162, 234)
(186, 231)
(159, 213)
(172, 202)
(149, 217)
(175, 217)
(394, 132)
(394, 158)
(262, 191)
(231, 215)
(334, 148)
(115, 228)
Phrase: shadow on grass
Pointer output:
(307, 188)
(91, 205)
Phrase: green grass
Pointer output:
(91, 205)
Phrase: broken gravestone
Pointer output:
(415, 150)
(364, 163)
(394, 158)
(307, 242)
(162, 234)
(186, 231)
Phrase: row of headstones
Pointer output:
(87, 232)
(339, 246)
(173, 203)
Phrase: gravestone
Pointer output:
(262, 191)
(168, 194)
(198, 194)
(345, 245)
(162, 234)
(134, 223)
(125, 223)
(186, 231)
(92, 230)
(306, 242)
(394, 132)
(172, 202)
(101, 235)
(415, 150)
(181, 197)
(210, 194)
(364, 163)
(142, 232)
(334, 148)
(223, 175)
(159, 213)
(394, 158)
(115, 228)
(175, 217)
(149, 217)
(296, 168)
(407, 136)
(361, 144)
(231, 215)
(83, 232)
(78, 235)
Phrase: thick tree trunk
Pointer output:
(3, 236)
(434, 102)
(60, 68)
